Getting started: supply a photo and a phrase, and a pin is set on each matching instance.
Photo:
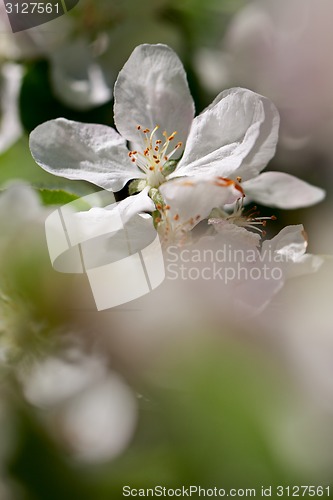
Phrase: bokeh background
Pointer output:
(154, 393)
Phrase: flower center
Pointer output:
(170, 228)
(154, 156)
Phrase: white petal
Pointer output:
(237, 233)
(307, 264)
(135, 204)
(287, 252)
(77, 79)
(265, 145)
(82, 151)
(290, 242)
(104, 240)
(98, 424)
(151, 90)
(281, 190)
(100, 221)
(56, 379)
(10, 125)
(21, 202)
(253, 296)
(191, 200)
(235, 135)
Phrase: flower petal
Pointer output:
(101, 220)
(191, 200)
(10, 125)
(237, 233)
(77, 78)
(103, 240)
(94, 153)
(135, 204)
(281, 190)
(151, 90)
(235, 135)
(290, 242)
(22, 203)
(287, 251)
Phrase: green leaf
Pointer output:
(18, 164)
(60, 197)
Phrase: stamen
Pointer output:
(154, 154)
(153, 132)
(178, 145)
(170, 231)
(249, 219)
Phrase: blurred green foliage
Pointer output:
(207, 417)
(38, 103)
(211, 410)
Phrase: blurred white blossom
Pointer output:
(10, 124)
(282, 50)
(89, 409)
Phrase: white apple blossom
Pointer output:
(233, 138)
